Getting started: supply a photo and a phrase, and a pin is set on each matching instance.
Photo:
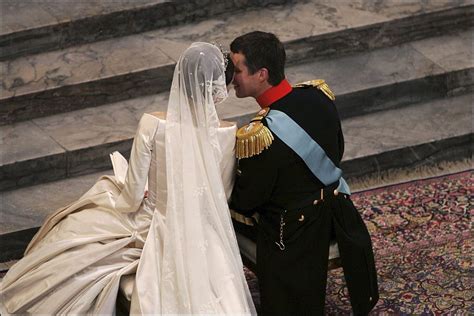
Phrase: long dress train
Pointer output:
(74, 263)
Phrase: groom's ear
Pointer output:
(263, 75)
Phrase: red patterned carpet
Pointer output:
(423, 242)
(422, 236)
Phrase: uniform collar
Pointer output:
(274, 93)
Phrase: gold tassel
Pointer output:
(252, 139)
(325, 89)
(320, 84)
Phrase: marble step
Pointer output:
(419, 135)
(98, 73)
(74, 143)
(31, 27)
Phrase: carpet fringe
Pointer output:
(397, 176)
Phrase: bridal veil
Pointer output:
(199, 268)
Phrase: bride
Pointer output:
(178, 241)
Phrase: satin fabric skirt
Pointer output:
(74, 263)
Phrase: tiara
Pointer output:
(224, 51)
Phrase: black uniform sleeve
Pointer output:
(253, 186)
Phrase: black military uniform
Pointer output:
(296, 208)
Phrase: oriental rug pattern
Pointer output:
(423, 243)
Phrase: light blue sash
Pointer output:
(312, 154)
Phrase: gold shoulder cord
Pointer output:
(319, 84)
(254, 137)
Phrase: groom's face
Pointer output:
(245, 84)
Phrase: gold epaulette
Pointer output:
(254, 137)
(319, 84)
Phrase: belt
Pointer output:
(327, 192)
(319, 196)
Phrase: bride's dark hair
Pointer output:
(229, 69)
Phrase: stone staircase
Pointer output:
(76, 80)
(35, 27)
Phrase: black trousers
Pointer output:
(293, 281)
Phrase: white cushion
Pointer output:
(247, 247)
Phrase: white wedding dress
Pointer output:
(75, 262)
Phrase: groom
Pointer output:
(289, 157)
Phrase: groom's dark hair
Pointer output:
(262, 50)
